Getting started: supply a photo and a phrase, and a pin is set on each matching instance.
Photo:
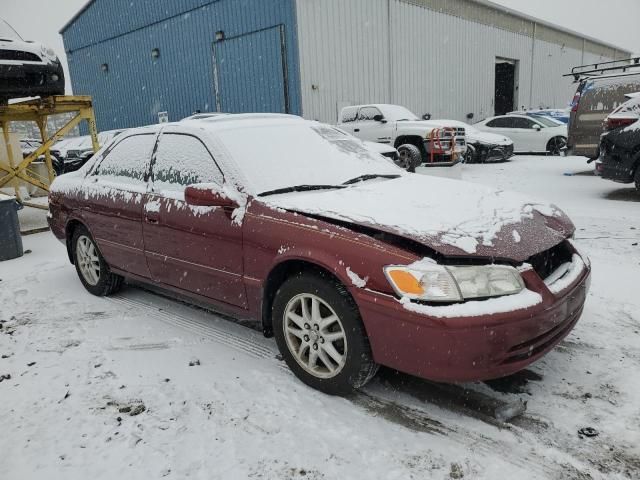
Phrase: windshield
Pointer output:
(547, 122)
(8, 33)
(396, 113)
(294, 154)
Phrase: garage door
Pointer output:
(250, 73)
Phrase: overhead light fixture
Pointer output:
(219, 35)
(104, 67)
(155, 53)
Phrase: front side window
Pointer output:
(183, 160)
(523, 123)
(128, 161)
(368, 113)
(349, 115)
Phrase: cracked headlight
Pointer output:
(49, 54)
(431, 282)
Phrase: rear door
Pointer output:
(113, 211)
(196, 249)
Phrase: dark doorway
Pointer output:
(505, 86)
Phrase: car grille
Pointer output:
(547, 262)
(19, 56)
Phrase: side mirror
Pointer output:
(379, 118)
(202, 195)
(537, 128)
(426, 116)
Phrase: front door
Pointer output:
(366, 128)
(196, 249)
(113, 212)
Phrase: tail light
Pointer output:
(619, 122)
(575, 102)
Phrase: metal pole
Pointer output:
(533, 59)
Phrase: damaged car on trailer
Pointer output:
(349, 261)
(27, 68)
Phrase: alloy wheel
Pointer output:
(88, 260)
(315, 336)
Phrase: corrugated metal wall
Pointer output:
(122, 34)
(440, 62)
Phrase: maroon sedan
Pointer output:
(347, 260)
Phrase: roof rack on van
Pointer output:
(599, 68)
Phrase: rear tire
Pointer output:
(410, 157)
(91, 267)
(320, 334)
(637, 178)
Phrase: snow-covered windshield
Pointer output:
(7, 32)
(273, 157)
(396, 113)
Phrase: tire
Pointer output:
(557, 146)
(91, 267)
(410, 157)
(637, 177)
(470, 154)
(341, 364)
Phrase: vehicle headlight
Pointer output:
(439, 283)
(49, 54)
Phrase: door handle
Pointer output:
(356, 129)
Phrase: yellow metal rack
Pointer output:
(38, 111)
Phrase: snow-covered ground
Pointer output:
(140, 386)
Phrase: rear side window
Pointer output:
(183, 160)
(349, 115)
(503, 122)
(367, 113)
(128, 161)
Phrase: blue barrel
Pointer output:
(10, 239)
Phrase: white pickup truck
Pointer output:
(417, 141)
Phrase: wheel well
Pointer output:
(277, 277)
(413, 140)
(68, 234)
(554, 138)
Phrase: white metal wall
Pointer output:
(390, 51)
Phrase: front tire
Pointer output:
(557, 146)
(91, 267)
(637, 177)
(320, 334)
(410, 157)
(470, 154)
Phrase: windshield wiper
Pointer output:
(299, 188)
(371, 176)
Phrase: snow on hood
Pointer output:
(474, 136)
(454, 218)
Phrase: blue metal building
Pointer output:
(138, 58)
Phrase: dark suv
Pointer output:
(620, 144)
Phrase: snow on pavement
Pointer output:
(238, 413)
